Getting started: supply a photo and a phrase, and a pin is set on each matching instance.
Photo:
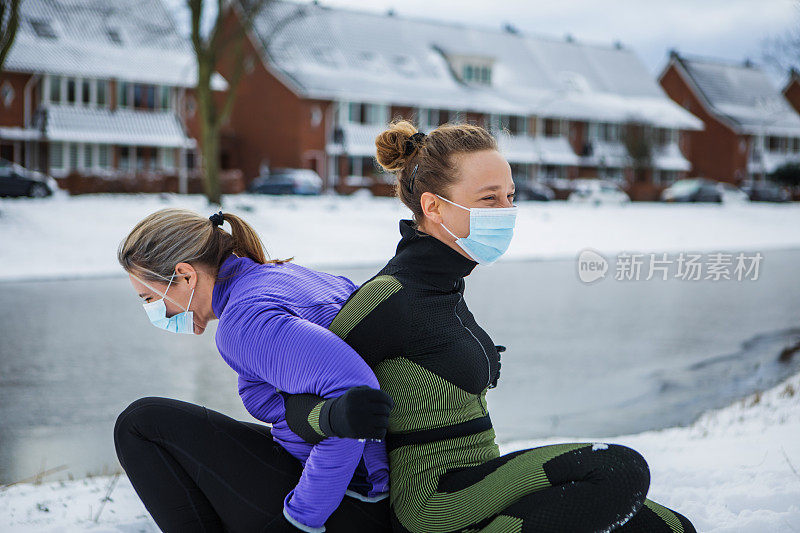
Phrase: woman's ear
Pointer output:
(431, 207)
(187, 271)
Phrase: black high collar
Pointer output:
(434, 261)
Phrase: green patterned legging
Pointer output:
(464, 485)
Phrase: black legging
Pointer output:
(198, 470)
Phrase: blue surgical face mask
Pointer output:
(178, 323)
(490, 232)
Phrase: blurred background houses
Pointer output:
(101, 97)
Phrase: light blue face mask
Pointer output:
(178, 323)
(490, 232)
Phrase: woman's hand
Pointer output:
(360, 413)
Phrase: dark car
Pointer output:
(533, 190)
(287, 181)
(692, 190)
(766, 192)
(16, 180)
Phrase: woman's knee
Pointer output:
(626, 466)
(138, 411)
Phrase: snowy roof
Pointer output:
(743, 95)
(121, 126)
(132, 41)
(343, 54)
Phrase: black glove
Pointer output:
(360, 413)
(500, 349)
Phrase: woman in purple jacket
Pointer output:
(198, 470)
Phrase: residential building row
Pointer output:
(106, 90)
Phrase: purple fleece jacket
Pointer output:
(273, 332)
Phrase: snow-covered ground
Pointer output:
(736, 469)
(78, 236)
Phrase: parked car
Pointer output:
(692, 190)
(598, 192)
(766, 192)
(732, 194)
(533, 190)
(287, 181)
(16, 180)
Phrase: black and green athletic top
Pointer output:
(410, 324)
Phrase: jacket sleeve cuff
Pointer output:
(301, 526)
(325, 418)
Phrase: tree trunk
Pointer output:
(211, 165)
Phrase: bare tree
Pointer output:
(9, 22)
(782, 52)
(222, 43)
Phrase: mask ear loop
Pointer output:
(459, 205)
(164, 294)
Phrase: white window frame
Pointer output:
(593, 131)
(61, 167)
(109, 159)
(377, 114)
(69, 166)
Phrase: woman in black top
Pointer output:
(411, 325)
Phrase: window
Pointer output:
(102, 156)
(71, 89)
(611, 132)
(520, 171)
(73, 156)
(57, 156)
(515, 124)
(356, 113)
(150, 97)
(377, 114)
(88, 156)
(55, 89)
(604, 131)
(123, 94)
(476, 73)
(554, 127)
(102, 92)
(796, 145)
(436, 117)
(141, 159)
(468, 72)
(43, 29)
(138, 96)
(6, 93)
(167, 158)
(124, 158)
(86, 92)
(163, 97)
(552, 172)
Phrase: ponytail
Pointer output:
(171, 236)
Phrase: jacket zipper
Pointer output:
(488, 362)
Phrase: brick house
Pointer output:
(101, 90)
(750, 129)
(325, 81)
(791, 91)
